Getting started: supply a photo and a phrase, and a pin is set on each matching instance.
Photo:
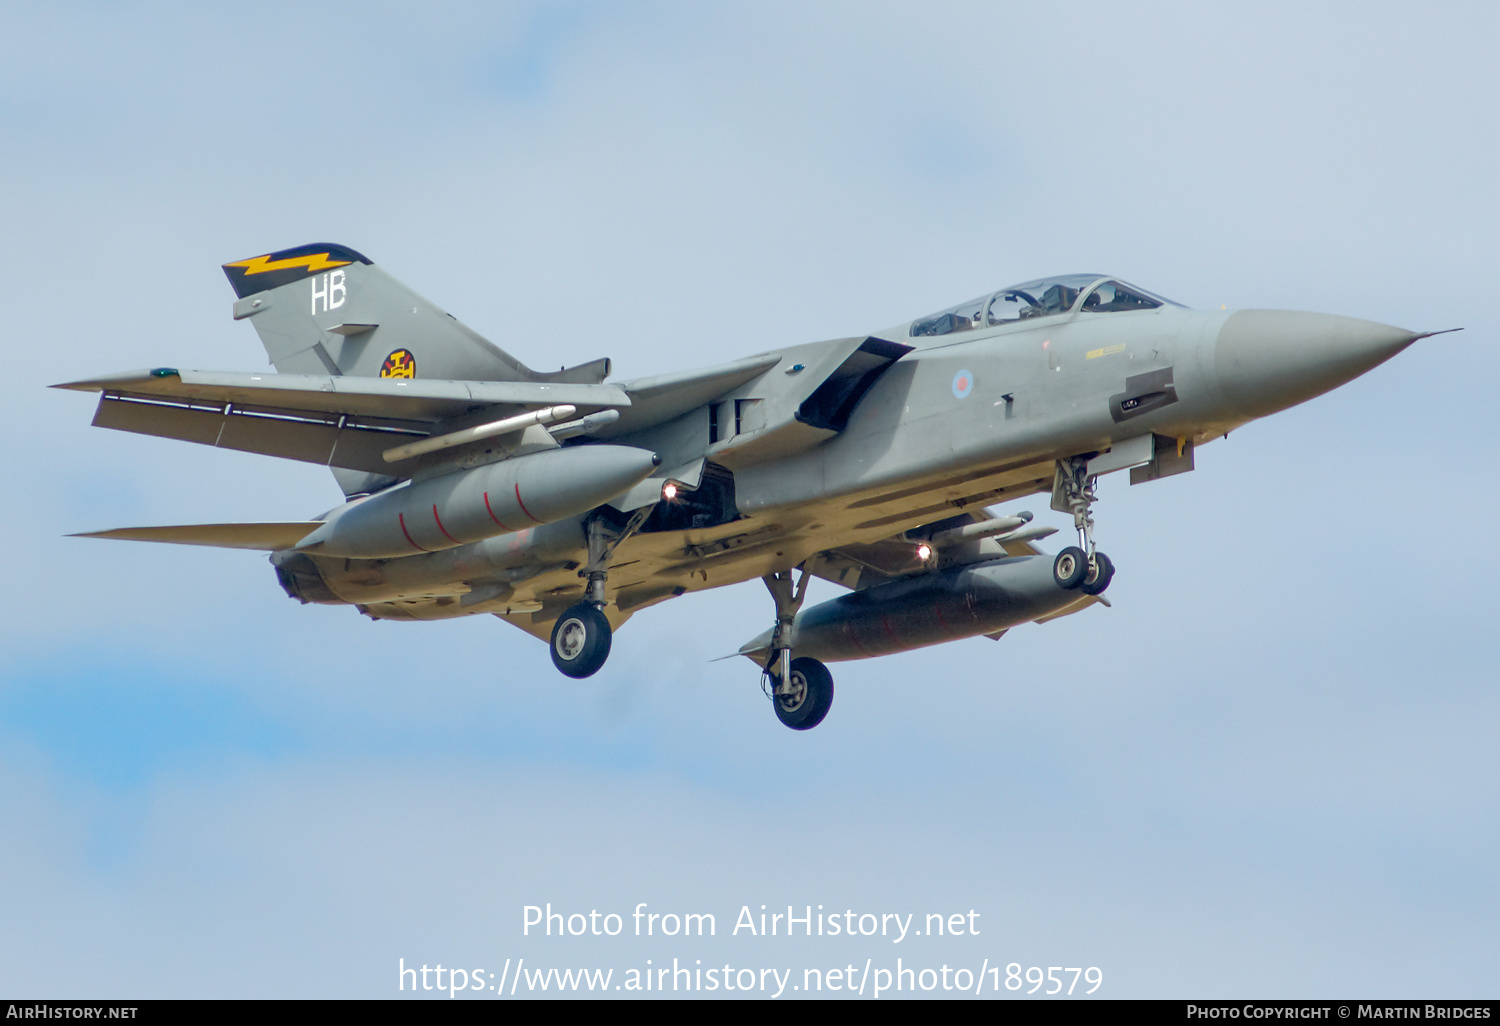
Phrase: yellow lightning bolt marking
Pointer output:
(312, 261)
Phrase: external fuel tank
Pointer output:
(927, 609)
(468, 505)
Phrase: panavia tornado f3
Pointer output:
(563, 502)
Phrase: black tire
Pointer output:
(812, 695)
(1103, 572)
(1070, 568)
(580, 641)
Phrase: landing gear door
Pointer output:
(1170, 456)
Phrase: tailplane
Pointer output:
(266, 537)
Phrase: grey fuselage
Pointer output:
(963, 420)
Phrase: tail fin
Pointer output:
(326, 309)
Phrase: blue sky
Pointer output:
(1268, 770)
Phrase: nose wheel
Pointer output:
(1070, 568)
(1100, 574)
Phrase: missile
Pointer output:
(928, 609)
(584, 425)
(509, 425)
(468, 505)
(1030, 532)
(983, 529)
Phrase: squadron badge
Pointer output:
(400, 364)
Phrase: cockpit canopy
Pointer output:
(1044, 297)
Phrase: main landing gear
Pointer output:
(1082, 567)
(581, 637)
(801, 690)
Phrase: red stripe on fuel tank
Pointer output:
(492, 512)
(402, 517)
(937, 607)
(441, 527)
(885, 625)
(853, 640)
(522, 504)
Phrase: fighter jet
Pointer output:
(563, 502)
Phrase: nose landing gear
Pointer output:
(1082, 567)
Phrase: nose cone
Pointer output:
(1268, 360)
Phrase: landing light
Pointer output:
(669, 491)
(924, 552)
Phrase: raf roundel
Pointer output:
(963, 384)
(400, 364)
